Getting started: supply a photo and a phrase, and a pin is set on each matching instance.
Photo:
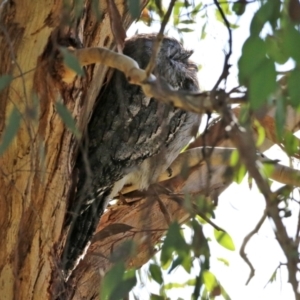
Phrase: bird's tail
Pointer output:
(82, 223)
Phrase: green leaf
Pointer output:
(176, 12)
(234, 158)
(254, 47)
(71, 61)
(224, 293)
(274, 276)
(199, 241)
(156, 297)
(275, 50)
(185, 30)
(112, 280)
(291, 143)
(156, 274)
(224, 239)
(117, 283)
(171, 285)
(134, 8)
(5, 80)
(96, 9)
(177, 262)
(239, 7)
(267, 169)
(240, 173)
(293, 86)
(209, 280)
(269, 12)
(203, 32)
(187, 22)
(262, 84)
(224, 261)
(11, 129)
(196, 9)
(261, 133)
(174, 241)
(124, 286)
(291, 42)
(225, 7)
(183, 260)
(67, 118)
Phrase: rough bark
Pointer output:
(36, 169)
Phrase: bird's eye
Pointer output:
(173, 54)
(180, 55)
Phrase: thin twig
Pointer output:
(159, 38)
(245, 242)
(226, 67)
(278, 267)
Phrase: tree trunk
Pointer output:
(36, 169)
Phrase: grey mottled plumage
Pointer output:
(131, 138)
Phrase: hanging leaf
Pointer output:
(111, 280)
(239, 7)
(275, 50)
(5, 80)
(262, 84)
(240, 173)
(67, 118)
(185, 30)
(223, 260)
(196, 9)
(187, 22)
(11, 129)
(71, 61)
(261, 133)
(291, 143)
(291, 42)
(156, 274)
(156, 297)
(96, 9)
(171, 285)
(123, 288)
(174, 241)
(224, 239)
(269, 12)
(234, 158)
(134, 8)
(254, 47)
(209, 280)
(293, 87)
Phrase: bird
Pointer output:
(131, 138)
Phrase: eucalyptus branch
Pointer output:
(220, 156)
(152, 87)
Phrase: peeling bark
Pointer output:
(36, 169)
